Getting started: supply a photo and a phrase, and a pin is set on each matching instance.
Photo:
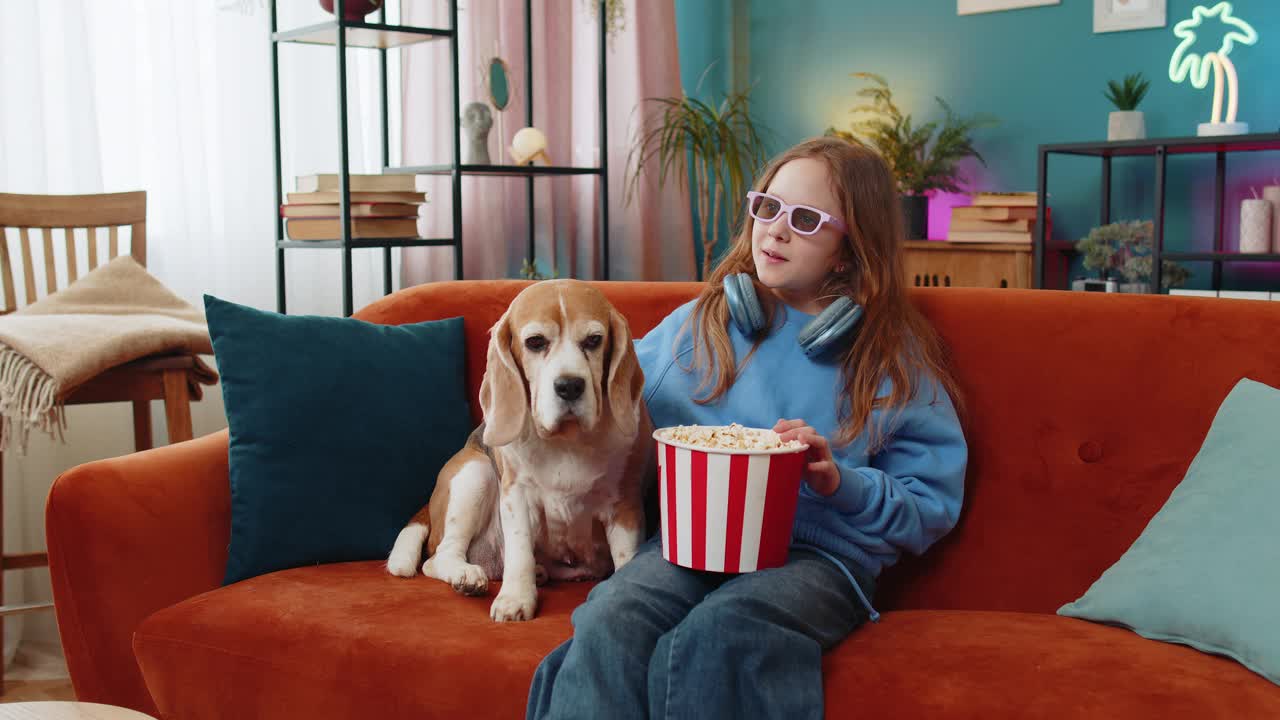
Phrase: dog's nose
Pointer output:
(570, 388)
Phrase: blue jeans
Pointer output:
(660, 641)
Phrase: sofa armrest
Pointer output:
(128, 536)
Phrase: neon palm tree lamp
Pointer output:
(1184, 63)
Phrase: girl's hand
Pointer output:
(822, 474)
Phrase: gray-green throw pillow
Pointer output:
(1205, 572)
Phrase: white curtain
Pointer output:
(173, 98)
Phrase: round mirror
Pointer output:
(499, 84)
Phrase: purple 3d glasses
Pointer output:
(803, 219)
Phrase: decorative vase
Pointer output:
(1126, 125)
(1255, 225)
(915, 215)
(353, 10)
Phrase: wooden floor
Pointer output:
(37, 673)
(35, 690)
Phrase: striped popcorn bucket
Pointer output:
(727, 510)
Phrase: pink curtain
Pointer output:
(650, 238)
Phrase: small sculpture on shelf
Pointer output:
(528, 145)
(476, 121)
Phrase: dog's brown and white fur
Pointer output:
(550, 485)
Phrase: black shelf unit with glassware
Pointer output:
(381, 36)
(1160, 149)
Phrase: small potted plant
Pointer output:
(922, 157)
(1127, 122)
(1122, 250)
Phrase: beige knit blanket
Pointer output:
(115, 314)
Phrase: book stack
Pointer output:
(995, 218)
(382, 206)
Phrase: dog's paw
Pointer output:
(403, 560)
(402, 563)
(468, 579)
(515, 605)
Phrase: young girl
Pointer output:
(886, 458)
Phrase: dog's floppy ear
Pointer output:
(502, 391)
(626, 379)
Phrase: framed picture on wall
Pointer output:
(971, 7)
(1113, 15)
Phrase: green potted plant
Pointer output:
(1122, 251)
(720, 144)
(922, 157)
(1127, 122)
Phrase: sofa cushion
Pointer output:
(338, 428)
(348, 640)
(977, 664)
(1203, 572)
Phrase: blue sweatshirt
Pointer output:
(903, 498)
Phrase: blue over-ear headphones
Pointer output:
(836, 322)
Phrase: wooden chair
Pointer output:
(167, 378)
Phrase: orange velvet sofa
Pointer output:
(1084, 411)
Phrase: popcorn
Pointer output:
(727, 437)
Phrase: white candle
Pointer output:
(1255, 225)
(1272, 193)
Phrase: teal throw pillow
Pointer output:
(338, 428)
(1205, 572)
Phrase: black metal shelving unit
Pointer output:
(381, 36)
(1160, 149)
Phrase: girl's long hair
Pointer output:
(894, 341)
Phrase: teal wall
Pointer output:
(705, 38)
(704, 30)
(1040, 70)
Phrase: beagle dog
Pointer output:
(549, 486)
